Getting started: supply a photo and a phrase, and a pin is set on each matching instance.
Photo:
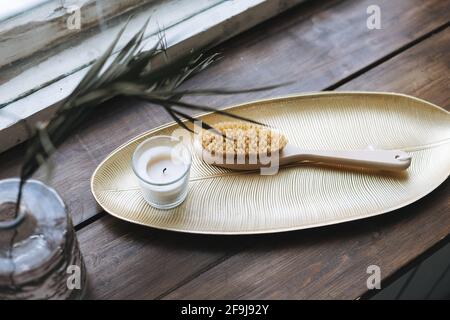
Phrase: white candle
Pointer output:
(162, 166)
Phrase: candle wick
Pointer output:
(164, 170)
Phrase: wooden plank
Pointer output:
(316, 44)
(125, 261)
(269, 263)
(325, 263)
(424, 74)
(331, 262)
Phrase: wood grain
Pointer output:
(423, 71)
(328, 262)
(332, 262)
(316, 44)
(325, 263)
(126, 261)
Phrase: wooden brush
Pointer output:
(243, 145)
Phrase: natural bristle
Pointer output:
(242, 138)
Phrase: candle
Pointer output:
(162, 165)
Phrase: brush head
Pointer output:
(242, 138)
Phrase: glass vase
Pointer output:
(39, 253)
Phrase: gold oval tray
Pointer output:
(298, 197)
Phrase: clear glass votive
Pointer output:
(162, 165)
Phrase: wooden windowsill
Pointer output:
(36, 91)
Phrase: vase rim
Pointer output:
(23, 209)
(48, 233)
(35, 181)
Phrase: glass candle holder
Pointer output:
(162, 165)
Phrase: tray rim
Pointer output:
(275, 230)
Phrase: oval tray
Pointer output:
(298, 197)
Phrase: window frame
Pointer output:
(209, 26)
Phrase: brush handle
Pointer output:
(374, 159)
